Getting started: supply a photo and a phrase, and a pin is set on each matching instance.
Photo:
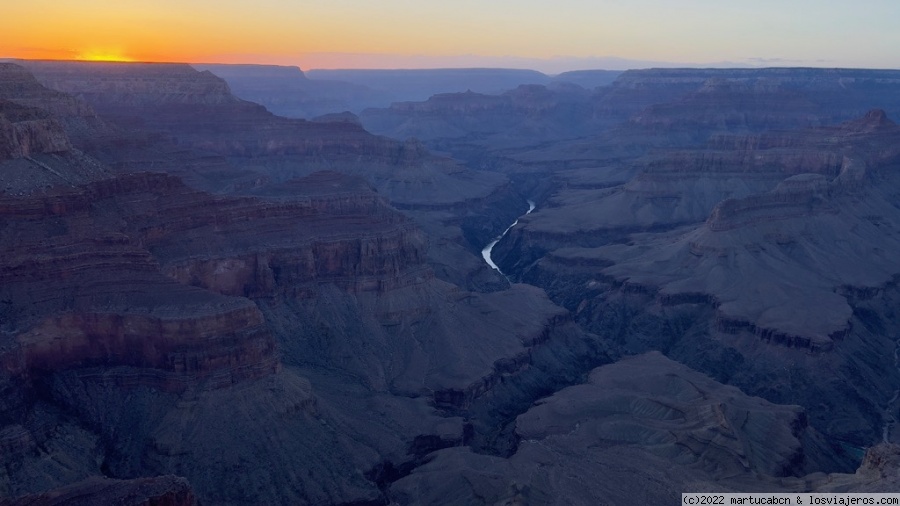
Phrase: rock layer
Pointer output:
(645, 428)
(26, 131)
(150, 328)
(198, 109)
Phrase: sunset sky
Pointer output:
(546, 35)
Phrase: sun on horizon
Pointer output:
(103, 55)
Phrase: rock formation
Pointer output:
(26, 131)
(726, 257)
(150, 328)
(287, 92)
(162, 491)
(783, 230)
(523, 116)
(142, 287)
(187, 123)
(644, 429)
(404, 85)
(202, 301)
(199, 111)
(79, 119)
(640, 111)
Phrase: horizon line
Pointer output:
(658, 66)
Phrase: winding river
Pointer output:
(486, 252)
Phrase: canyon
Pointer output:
(205, 300)
(291, 92)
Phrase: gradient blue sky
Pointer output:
(550, 36)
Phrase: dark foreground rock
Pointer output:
(159, 491)
(644, 429)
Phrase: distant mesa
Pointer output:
(338, 117)
(875, 119)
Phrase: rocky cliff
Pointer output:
(404, 85)
(155, 84)
(650, 427)
(855, 89)
(101, 325)
(199, 111)
(713, 278)
(150, 328)
(643, 110)
(26, 131)
(180, 121)
(81, 292)
(80, 121)
(523, 116)
(286, 91)
(798, 216)
(677, 187)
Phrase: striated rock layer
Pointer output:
(199, 111)
(557, 126)
(80, 121)
(150, 328)
(187, 123)
(287, 340)
(26, 130)
(827, 183)
(102, 328)
(785, 292)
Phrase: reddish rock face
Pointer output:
(218, 350)
(91, 297)
(111, 236)
(136, 286)
(81, 264)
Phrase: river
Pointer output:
(486, 252)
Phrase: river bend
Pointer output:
(486, 252)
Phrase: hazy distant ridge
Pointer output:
(288, 91)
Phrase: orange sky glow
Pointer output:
(421, 33)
